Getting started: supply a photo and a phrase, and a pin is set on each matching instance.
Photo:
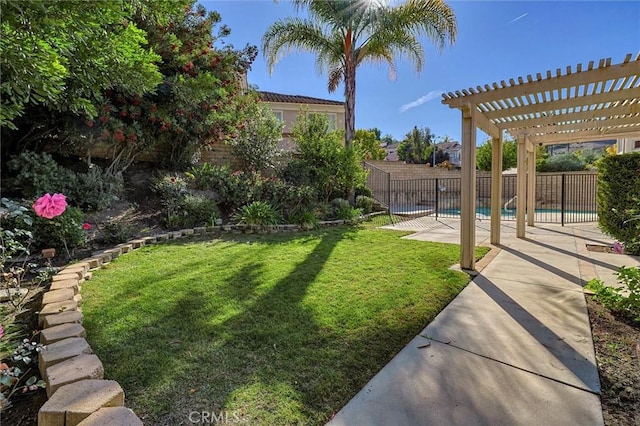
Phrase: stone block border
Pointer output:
(69, 363)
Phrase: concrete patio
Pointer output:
(515, 347)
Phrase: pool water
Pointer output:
(486, 211)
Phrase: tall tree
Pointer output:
(198, 103)
(416, 148)
(509, 155)
(368, 144)
(63, 54)
(343, 34)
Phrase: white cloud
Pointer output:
(421, 100)
(518, 18)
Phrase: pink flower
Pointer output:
(1, 330)
(50, 206)
(618, 248)
(86, 226)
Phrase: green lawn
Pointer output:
(273, 329)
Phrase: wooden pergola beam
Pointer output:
(593, 138)
(610, 112)
(562, 104)
(551, 83)
(585, 136)
(586, 125)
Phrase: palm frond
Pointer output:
(294, 34)
(384, 44)
(336, 76)
(433, 18)
(378, 55)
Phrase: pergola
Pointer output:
(586, 104)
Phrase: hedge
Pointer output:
(619, 199)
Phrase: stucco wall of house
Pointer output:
(290, 113)
(628, 145)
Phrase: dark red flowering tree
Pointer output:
(199, 102)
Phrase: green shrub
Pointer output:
(340, 204)
(562, 163)
(286, 197)
(116, 231)
(257, 143)
(296, 172)
(343, 210)
(38, 173)
(182, 208)
(258, 213)
(239, 188)
(206, 175)
(305, 218)
(364, 190)
(194, 210)
(619, 200)
(615, 299)
(63, 232)
(323, 211)
(169, 186)
(324, 162)
(365, 203)
(96, 189)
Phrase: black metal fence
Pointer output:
(560, 198)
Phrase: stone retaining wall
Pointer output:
(74, 376)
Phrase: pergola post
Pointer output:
(496, 188)
(521, 186)
(468, 189)
(542, 108)
(531, 184)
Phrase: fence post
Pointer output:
(437, 198)
(389, 191)
(562, 200)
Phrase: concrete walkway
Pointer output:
(514, 348)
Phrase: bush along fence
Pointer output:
(619, 198)
(560, 197)
(77, 390)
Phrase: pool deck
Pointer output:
(513, 348)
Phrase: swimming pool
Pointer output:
(541, 215)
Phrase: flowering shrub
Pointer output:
(36, 174)
(56, 225)
(50, 206)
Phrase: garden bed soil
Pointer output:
(600, 248)
(617, 344)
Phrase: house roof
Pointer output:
(296, 99)
(449, 145)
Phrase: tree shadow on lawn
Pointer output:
(266, 360)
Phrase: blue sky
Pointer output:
(497, 40)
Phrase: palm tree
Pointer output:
(344, 34)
